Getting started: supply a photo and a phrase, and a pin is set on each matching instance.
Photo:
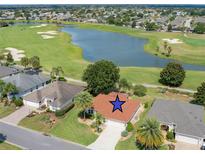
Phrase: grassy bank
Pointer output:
(6, 146)
(59, 51)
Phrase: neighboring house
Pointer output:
(178, 23)
(55, 96)
(27, 82)
(7, 71)
(187, 120)
(102, 105)
(200, 19)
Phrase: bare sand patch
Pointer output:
(38, 26)
(16, 53)
(172, 41)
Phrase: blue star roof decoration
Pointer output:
(117, 104)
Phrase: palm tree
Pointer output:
(165, 45)
(169, 50)
(57, 72)
(84, 101)
(149, 134)
(25, 61)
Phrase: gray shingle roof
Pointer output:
(6, 71)
(26, 81)
(189, 118)
(60, 91)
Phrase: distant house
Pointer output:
(178, 23)
(185, 119)
(7, 71)
(200, 19)
(27, 82)
(101, 104)
(55, 96)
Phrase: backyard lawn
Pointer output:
(6, 110)
(59, 51)
(68, 127)
(6, 146)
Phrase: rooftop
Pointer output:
(6, 71)
(27, 80)
(60, 91)
(102, 105)
(189, 118)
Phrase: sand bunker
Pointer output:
(38, 26)
(172, 41)
(16, 54)
(48, 34)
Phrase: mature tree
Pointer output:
(149, 135)
(9, 58)
(124, 84)
(172, 75)
(150, 26)
(25, 61)
(200, 28)
(199, 96)
(57, 72)
(101, 77)
(35, 62)
(139, 90)
(169, 28)
(83, 100)
(165, 45)
(169, 50)
(134, 24)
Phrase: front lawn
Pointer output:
(68, 127)
(6, 110)
(6, 146)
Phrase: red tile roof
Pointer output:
(102, 105)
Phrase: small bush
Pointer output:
(18, 102)
(129, 127)
(124, 133)
(60, 113)
(139, 90)
(170, 135)
(146, 105)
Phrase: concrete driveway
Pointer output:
(15, 117)
(109, 137)
(186, 146)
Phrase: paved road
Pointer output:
(33, 140)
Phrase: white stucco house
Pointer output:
(54, 96)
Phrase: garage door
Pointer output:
(187, 139)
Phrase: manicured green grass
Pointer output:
(68, 127)
(37, 122)
(59, 51)
(6, 110)
(6, 146)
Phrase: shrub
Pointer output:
(129, 127)
(140, 90)
(172, 75)
(199, 96)
(124, 133)
(146, 105)
(62, 112)
(18, 102)
(170, 135)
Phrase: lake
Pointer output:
(123, 50)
